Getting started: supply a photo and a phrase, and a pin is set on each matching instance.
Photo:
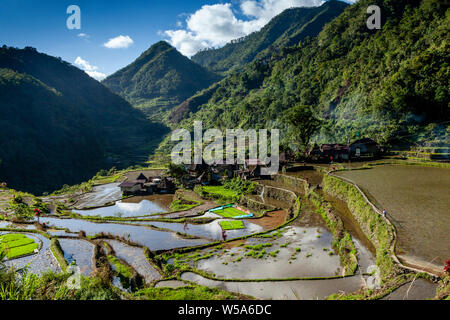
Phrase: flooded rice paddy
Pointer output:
(153, 239)
(419, 289)
(100, 196)
(300, 252)
(210, 230)
(133, 207)
(283, 290)
(417, 201)
(171, 284)
(135, 257)
(79, 251)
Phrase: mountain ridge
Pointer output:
(159, 78)
(388, 84)
(60, 126)
(285, 29)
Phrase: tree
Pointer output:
(176, 171)
(303, 124)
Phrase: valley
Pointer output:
(94, 205)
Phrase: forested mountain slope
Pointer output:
(59, 126)
(390, 84)
(159, 79)
(286, 29)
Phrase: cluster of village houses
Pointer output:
(147, 185)
(359, 149)
(251, 168)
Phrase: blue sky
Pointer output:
(189, 25)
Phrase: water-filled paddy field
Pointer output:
(283, 290)
(301, 250)
(133, 207)
(152, 239)
(210, 230)
(100, 196)
(417, 201)
(419, 289)
(79, 251)
(136, 258)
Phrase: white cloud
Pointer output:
(215, 25)
(119, 42)
(89, 69)
(83, 35)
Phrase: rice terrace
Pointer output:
(214, 237)
(240, 152)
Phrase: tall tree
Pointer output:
(303, 124)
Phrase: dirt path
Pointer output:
(271, 220)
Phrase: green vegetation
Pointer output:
(182, 204)
(374, 227)
(342, 240)
(230, 191)
(17, 245)
(191, 292)
(286, 29)
(239, 186)
(52, 286)
(232, 225)
(229, 212)
(159, 79)
(37, 90)
(122, 270)
(302, 124)
(21, 210)
(390, 85)
(58, 253)
(217, 192)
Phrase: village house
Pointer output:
(143, 185)
(251, 169)
(362, 148)
(335, 152)
(365, 148)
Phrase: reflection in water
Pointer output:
(153, 239)
(210, 230)
(419, 289)
(283, 290)
(133, 207)
(100, 196)
(80, 252)
(300, 252)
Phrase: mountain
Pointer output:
(286, 29)
(159, 79)
(389, 84)
(59, 126)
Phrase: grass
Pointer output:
(121, 269)
(274, 253)
(192, 292)
(17, 245)
(58, 253)
(229, 212)
(217, 192)
(183, 205)
(377, 230)
(232, 225)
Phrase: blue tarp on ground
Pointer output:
(244, 216)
